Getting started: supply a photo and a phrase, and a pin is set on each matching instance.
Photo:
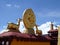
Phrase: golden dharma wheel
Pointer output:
(29, 18)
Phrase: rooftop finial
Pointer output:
(51, 26)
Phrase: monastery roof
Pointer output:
(25, 37)
(55, 30)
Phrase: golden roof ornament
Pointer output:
(29, 20)
(14, 27)
(38, 32)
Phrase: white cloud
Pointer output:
(45, 27)
(17, 6)
(11, 5)
(8, 5)
(4, 30)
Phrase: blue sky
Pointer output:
(45, 11)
